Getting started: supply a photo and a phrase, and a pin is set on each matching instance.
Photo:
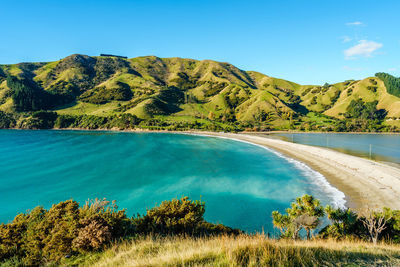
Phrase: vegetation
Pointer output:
(361, 116)
(304, 213)
(181, 94)
(366, 225)
(26, 95)
(242, 250)
(392, 83)
(175, 233)
(48, 235)
(65, 230)
(6, 120)
(365, 111)
(104, 95)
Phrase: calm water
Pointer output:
(240, 183)
(383, 147)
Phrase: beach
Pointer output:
(366, 183)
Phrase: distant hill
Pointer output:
(177, 92)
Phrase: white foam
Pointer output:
(337, 197)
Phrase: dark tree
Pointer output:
(392, 83)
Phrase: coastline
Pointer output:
(365, 183)
(319, 132)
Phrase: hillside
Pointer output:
(175, 93)
(243, 250)
(175, 233)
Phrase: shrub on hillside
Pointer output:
(102, 95)
(27, 95)
(123, 121)
(42, 236)
(6, 120)
(42, 120)
(179, 216)
(65, 229)
(93, 235)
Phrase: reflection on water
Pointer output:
(379, 147)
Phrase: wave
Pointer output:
(337, 197)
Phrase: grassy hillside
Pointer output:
(177, 92)
(243, 250)
(175, 233)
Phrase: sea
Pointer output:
(240, 183)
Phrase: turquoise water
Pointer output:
(383, 147)
(240, 183)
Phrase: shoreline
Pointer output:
(265, 133)
(365, 183)
(339, 199)
(319, 132)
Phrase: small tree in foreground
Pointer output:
(375, 222)
(345, 223)
(305, 213)
(281, 221)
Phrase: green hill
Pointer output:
(177, 93)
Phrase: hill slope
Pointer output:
(243, 251)
(176, 90)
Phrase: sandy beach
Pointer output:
(365, 183)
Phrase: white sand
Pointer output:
(365, 183)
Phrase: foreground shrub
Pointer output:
(93, 236)
(66, 229)
(63, 230)
(179, 216)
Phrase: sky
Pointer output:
(305, 41)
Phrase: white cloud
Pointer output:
(355, 23)
(346, 39)
(364, 48)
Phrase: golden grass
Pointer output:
(245, 251)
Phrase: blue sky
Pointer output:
(309, 42)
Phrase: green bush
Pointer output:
(184, 81)
(123, 121)
(364, 110)
(65, 229)
(27, 96)
(43, 119)
(6, 120)
(179, 216)
(103, 95)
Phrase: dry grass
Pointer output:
(246, 251)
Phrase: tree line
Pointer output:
(392, 83)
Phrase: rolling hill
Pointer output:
(171, 92)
